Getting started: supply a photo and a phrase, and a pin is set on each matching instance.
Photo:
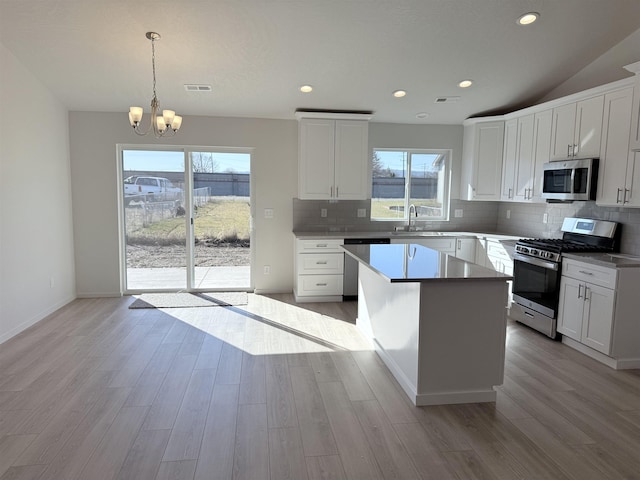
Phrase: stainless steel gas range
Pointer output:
(537, 268)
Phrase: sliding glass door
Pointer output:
(186, 219)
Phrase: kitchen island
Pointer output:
(437, 322)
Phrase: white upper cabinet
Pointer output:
(634, 141)
(509, 159)
(614, 188)
(576, 129)
(482, 148)
(541, 152)
(333, 159)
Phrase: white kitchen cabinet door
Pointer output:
(563, 128)
(598, 317)
(576, 129)
(523, 179)
(466, 249)
(351, 159)
(483, 146)
(634, 143)
(509, 159)
(316, 159)
(632, 186)
(333, 161)
(542, 152)
(614, 151)
(570, 308)
(589, 127)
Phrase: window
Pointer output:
(410, 177)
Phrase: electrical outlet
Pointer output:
(268, 213)
(267, 269)
(323, 212)
(508, 214)
(362, 212)
(545, 218)
(458, 213)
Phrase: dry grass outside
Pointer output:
(393, 208)
(218, 221)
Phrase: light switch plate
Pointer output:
(268, 213)
(545, 218)
(323, 212)
(362, 212)
(508, 214)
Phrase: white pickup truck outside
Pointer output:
(150, 189)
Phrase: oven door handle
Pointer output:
(536, 261)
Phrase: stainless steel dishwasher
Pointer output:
(350, 282)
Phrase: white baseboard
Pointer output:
(99, 295)
(35, 319)
(615, 363)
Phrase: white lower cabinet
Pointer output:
(586, 313)
(319, 268)
(598, 312)
(466, 249)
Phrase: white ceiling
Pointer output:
(93, 54)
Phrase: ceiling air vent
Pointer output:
(447, 99)
(192, 87)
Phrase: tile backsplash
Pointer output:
(525, 220)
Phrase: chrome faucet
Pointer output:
(415, 213)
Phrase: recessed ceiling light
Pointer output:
(465, 83)
(422, 115)
(399, 93)
(528, 18)
(306, 88)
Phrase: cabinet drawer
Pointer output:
(320, 263)
(497, 250)
(312, 246)
(319, 285)
(605, 277)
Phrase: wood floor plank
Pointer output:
(215, 461)
(251, 453)
(108, 457)
(325, 468)
(72, 457)
(281, 410)
(428, 461)
(165, 406)
(187, 431)
(209, 354)
(145, 455)
(253, 387)
(11, 447)
(28, 472)
(315, 430)
(230, 365)
(324, 368)
(149, 383)
(468, 465)
(180, 470)
(286, 456)
(390, 454)
(351, 376)
(356, 455)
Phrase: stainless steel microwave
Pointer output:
(570, 179)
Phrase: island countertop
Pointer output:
(415, 263)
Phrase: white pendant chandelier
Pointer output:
(165, 125)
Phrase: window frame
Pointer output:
(446, 184)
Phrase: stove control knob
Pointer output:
(534, 251)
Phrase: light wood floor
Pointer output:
(276, 391)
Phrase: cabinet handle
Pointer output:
(459, 244)
(331, 194)
(586, 289)
(321, 245)
(575, 149)
(624, 197)
(568, 150)
(337, 191)
(321, 262)
(586, 273)
(321, 284)
(580, 291)
(618, 195)
(510, 193)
